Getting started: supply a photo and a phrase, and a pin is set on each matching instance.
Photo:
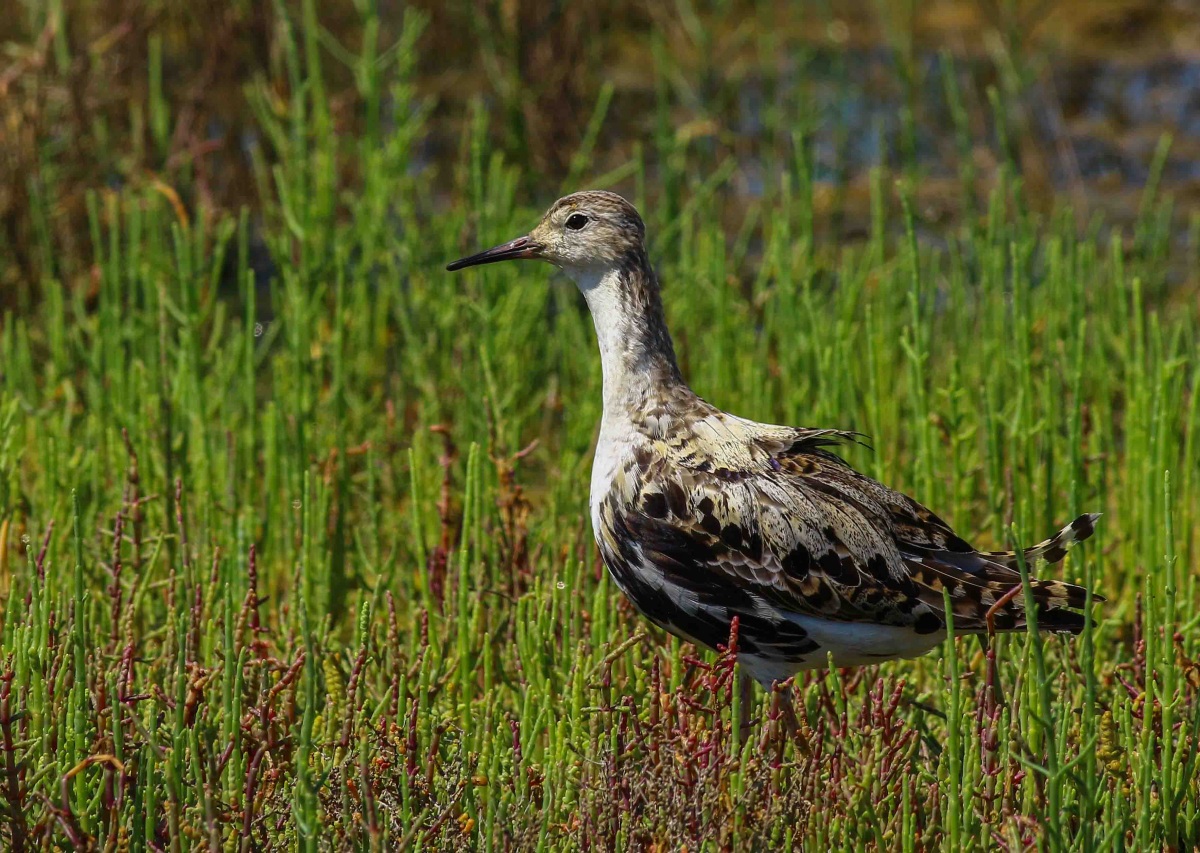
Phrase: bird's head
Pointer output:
(583, 234)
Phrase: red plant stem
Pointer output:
(12, 793)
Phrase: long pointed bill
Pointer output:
(522, 247)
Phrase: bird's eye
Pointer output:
(576, 221)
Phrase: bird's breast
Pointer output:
(609, 470)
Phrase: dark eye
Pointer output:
(576, 221)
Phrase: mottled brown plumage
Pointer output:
(702, 516)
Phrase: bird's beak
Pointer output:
(522, 247)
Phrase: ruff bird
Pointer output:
(702, 516)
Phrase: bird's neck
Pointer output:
(636, 352)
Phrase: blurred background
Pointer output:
(1091, 102)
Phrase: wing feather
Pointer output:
(779, 517)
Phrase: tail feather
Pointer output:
(1052, 550)
(981, 582)
(1057, 621)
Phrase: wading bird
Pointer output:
(702, 516)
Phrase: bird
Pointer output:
(703, 517)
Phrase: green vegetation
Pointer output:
(303, 561)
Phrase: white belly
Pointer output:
(861, 643)
(851, 643)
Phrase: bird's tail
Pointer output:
(1051, 550)
(986, 590)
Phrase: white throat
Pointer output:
(601, 288)
(636, 355)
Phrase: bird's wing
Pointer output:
(777, 517)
